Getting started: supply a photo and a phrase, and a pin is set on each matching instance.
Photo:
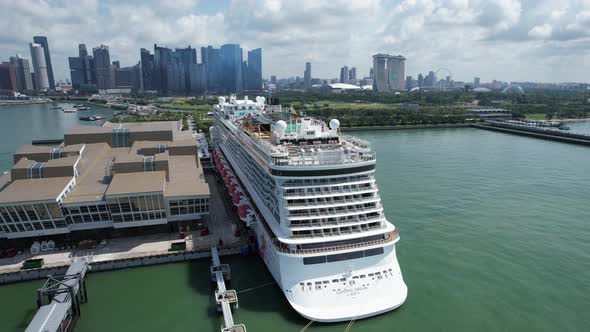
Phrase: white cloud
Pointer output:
(501, 39)
(541, 31)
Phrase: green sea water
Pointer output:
(494, 237)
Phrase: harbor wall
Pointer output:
(116, 264)
(544, 134)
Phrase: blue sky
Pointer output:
(512, 40)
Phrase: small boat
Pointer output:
(98, 117)
(56, 107)
(87, 118)
(563, 126)
(78, 105)
(69, 110)
(83, 108)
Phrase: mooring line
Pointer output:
(306, 326)
(256, 287)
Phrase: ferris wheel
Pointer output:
(441, 83)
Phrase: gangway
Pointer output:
(225, 299)
(59, 300)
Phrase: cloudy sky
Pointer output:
(512, 40)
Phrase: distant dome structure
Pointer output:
(334, 124)
(482, 90)
(513, 89)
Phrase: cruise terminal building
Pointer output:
(111, 176)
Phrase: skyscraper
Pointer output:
(273, 78)
(389, 71)
(128, 77)
(38, 58)
(254, 70)
(420, 80)
(344, 74)
(187, 58)
(22, 72)
(476, 82)
(307, 76)
(82, 71)
(102, 63)
(147, 69)
(211, 59)
(352, 73)
(41, 40)
(8, 77)
(231, 61)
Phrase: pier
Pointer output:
(59, 300)
(547, 134)
(225, 299)
(47, 141)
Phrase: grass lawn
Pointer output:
(536, 116)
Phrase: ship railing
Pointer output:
(353, 190)
(283, 248)
(344, 223)
(337, 211)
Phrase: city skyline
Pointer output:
(491, 40)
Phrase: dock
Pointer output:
(59, 300)
(47, 141)
(225, 299)
(547, 134)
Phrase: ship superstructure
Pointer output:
(310, 195)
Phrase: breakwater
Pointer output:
(547, 134)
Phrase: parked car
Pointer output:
(9, 253)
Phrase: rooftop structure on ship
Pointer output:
(286, 138)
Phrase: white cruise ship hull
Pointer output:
(352, 299)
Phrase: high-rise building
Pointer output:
(306, 75)
(232, 76)
(389, 71)
(82, 70)
(41, 40)
(8, 77)
(344, 74)
(254, 70)
(352, 73)
(476, 82)
(186, 57)
(147, 69)
(102, 64)
(273, 78)
(420, 80)
(430, 79)
(38, 58)
(211, 59)
(409, 82)
(22, 72)
(128, 77)
(371, 73)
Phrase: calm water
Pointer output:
(494, 237)
(21, 124)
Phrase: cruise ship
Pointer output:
(309, 194)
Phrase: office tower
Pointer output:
(254, 70)
(8, 77)
(231, 61)
(211, 59)
(306, 76)
(344, 74)
(273, 78)
(22, 72)
(82, 52)
(128, 77)
(352, 74)
(186, 57)
(117, 64)
(82, 70)
(430, 79)
(389, 72)
(476, 82)
(162, 60)
(420, 80)
(409, 82)
(41, 40)
(102, 64)
(147, 69)
(371, 74)
(38, 59)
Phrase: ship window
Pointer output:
(355, 277)
(345, 256)
(373, 252)
(342, 280)
(334, 280)
(314, 260)
(363, 276)
(326, 282)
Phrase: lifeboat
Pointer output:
(243, 211)
(236, 197)
(233, 188)
(228, 179)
